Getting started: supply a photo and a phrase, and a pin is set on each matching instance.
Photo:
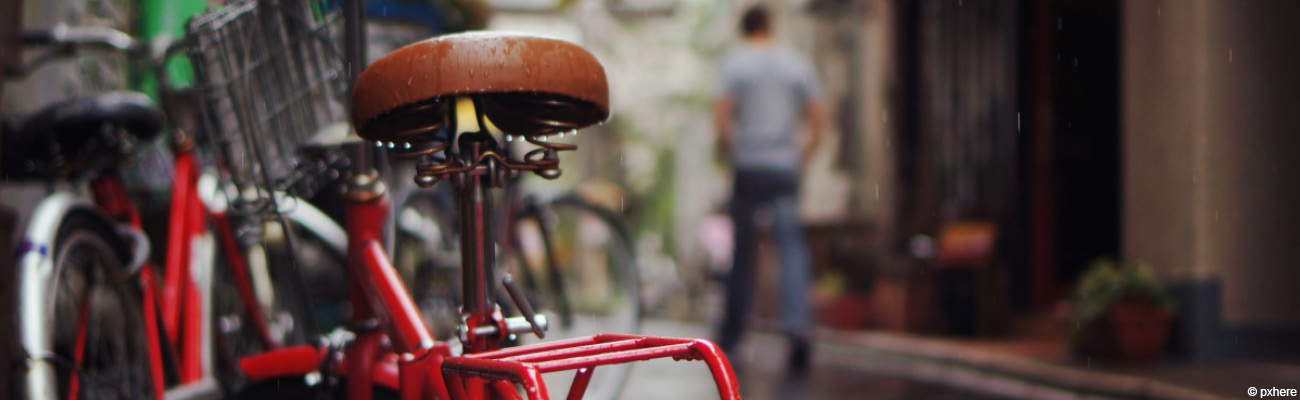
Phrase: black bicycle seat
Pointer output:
(72, 128)
(73, 119)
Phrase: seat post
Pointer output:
(474, 198)
(354, 47)
(478, 257)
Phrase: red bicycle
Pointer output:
(94, 315)
(450, 101)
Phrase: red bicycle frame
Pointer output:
(393, 348)
(175, 301)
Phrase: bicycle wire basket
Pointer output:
(271, 76)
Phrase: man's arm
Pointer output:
(815, 115)
(722, 122)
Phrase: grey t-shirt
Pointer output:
(769, 87)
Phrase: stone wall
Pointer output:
(1211, 187)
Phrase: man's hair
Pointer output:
(755, 21)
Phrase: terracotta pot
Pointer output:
(845, 311)
(1134, 333)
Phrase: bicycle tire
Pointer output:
(596, 269)
(427, 257)
(430, 267)
(112, 312)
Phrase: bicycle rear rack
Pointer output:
(525, 364)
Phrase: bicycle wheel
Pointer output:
(94, 316)
(427, 258)
(576, 264)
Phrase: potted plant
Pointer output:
(1122, 312)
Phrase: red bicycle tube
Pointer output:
(286, 361)
(239, 268)
(149, 288)
(79, 344)
(360, 357)
(723, 376)
(580, 381)
(387, 372)
(111, 196)
(174, 272)
(365, 219)
(421, 376)
(522, 364)
(505, 390)
(406, 330)
(191, 343)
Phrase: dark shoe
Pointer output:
(800, 356)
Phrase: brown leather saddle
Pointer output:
(525, 85)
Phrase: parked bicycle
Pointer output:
(452, 99)
(88, 288)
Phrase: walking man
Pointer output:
(766, 93)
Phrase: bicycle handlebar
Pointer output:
(63, 35)
(67, 40)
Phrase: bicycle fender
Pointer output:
(305, 215)
(34, 258)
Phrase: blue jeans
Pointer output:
(775, 191)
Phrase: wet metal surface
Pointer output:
(763, 375)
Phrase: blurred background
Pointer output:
(992, 166)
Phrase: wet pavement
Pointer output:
(763, 374)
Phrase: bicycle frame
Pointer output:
(161, 297)
(384, 319)
(178, 301)
(393, 348)
(410, 361)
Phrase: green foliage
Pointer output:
(657, 203)
(1107, 282)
